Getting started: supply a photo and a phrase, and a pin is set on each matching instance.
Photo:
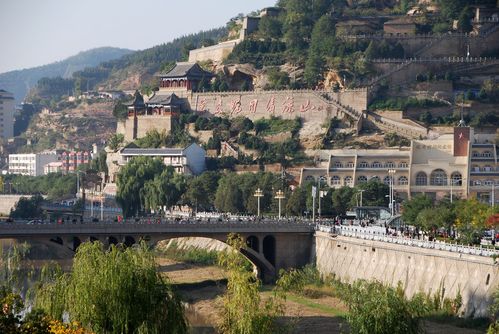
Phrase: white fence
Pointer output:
(379, 234)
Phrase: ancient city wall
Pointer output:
(419, 270)
(144, 125)
(307, 104)
(215, 53)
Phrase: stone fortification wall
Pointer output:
(444, 45)
(216, 53)
(350, 259)
(307, 104)
(145, 124)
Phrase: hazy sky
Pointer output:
(38, 32)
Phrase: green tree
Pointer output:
(413, 207)
(131, 180)
(243, 312)
(341, 199)
(115, 141)
(374, 193)
(105, 287)
(28, 208)
(297, 202)
(270, 27)
(471, 217)
(201, 190)
(378, 309)
(120, 111)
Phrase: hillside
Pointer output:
(20, 82)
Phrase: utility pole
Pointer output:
(314, 194)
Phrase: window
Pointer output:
(475, 154)
(362, 179)
(488, 182)
(310, 178)
(403, 181)
(486, 154)
(338, 164)
(348, 181)
(478, 183)
(350, 164)
(377, 164)
(456, 178)
(363, 164)
(487, 168)
(335, 180)
(390, 164)
(421, 179)
(387, 180)
(438, 178)
(403, 164)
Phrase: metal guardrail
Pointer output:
(379, 234)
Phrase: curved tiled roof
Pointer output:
(185, 69)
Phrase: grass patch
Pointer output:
(314, 305)
(191, 255)
(275, 125)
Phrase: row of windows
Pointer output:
(336, 180)
(486, 168)
(375, 164)
(484, 154)
(484, 182)
(438, 178)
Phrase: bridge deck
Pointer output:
(18, 230)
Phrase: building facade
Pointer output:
(71, 160)
(7, 110)
(31, 164)
(189, 160)
(462, 164)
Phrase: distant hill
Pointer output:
(20, 82)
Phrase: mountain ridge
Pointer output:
(19, 82)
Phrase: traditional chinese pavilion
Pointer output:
(184, 76)
(158, 105)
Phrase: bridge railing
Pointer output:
(379, 234)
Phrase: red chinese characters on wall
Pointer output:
(289, 105)
(271, 105)
(218, 106)
(235, 106)
(202, 105)
(253, 105)
(307, 106)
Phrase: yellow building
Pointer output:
(463, 164)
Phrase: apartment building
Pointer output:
(463, 164)
(31, 164)
(7, 110)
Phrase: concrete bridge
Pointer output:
(271, 245)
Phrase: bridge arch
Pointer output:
(129, 241)
(265, 270)
(269, 249)
(253, 243)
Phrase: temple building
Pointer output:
(183, 77)
(160, 113)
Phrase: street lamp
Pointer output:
(258, 193)
(452, 182)
(360, 192)
(392, 172)
(280, 196)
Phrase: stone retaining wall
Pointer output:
(419, 270)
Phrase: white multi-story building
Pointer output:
(31, 164)
(7, 110)
(189, 160)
